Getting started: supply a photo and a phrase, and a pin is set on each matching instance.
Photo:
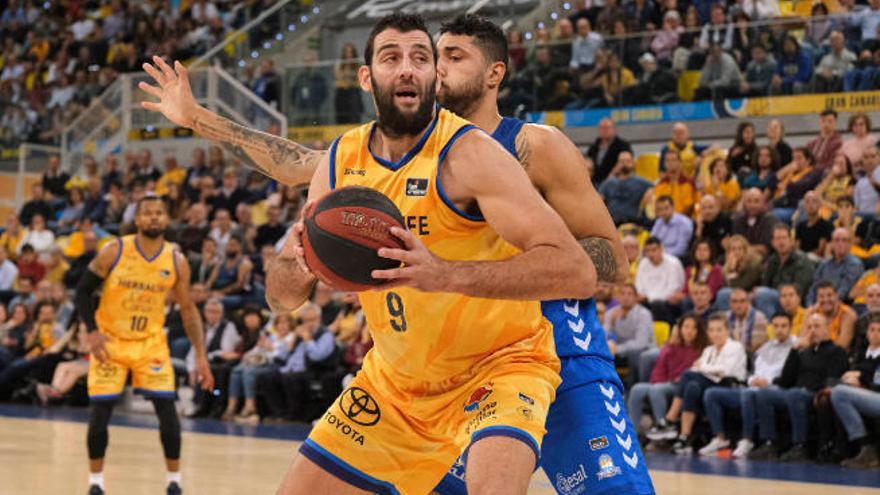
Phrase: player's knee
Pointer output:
(169, 427)
(97, 437)
(499, 465)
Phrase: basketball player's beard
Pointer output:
(153, 233)
(395, 123)
(464, 101)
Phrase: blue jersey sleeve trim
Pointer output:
(159, 394)
(446, 200)
(344, 471)
(333, 163)
(118, 256)
(104, 397)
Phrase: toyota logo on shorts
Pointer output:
(359, 406)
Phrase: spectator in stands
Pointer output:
(197, 169)
(190, 234)
(742, 268)
(8, 275)
(231, 194)
(640, 14)
(842, 269)
(206, 261)
(633, 255)
(717, 31)
(722, 184)
(145, 171)
(790, 302)
(786, 265)
(221, 339)
(819, 26)
(826, 145)
(676, 184)
(769, 359)
(690, 153)
(230, 280)
(861, 141)
(759, 72)
(846, 217)
(561, 48)
(666, 40)
(37, 205)
(273, 229)
(29, 265)
(659, 277)
(244, 217)
(269, 353)
(11, 237)
(584, 46)
(624, 192)
(704, 270)
(349, 105)
(814, 232)
(794, 70)
(54, 179)
(56, 266)
(73, 209)
(13, 333)
(656, 84)
(267, 85)
(712, 224)
(805, 372)
(841, 319)
(722, 364)
(685, 344)
(286, 389)
(627, 46)
(606, 149)
(829, 73)
(40, 238)
(860, 333)
(776, 139)
(224, 228)
(174, 174)
(857, 398)
(747, 324)
(800, 177)
(673, 229)
(763, 172)
(868, 20)
(743, 154)
(701, 298)
(309, 91)
(611, 12)
(755, 223)
(720, 77)
(631, 330)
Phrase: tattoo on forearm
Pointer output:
(274, 156)
(522, 149)
(602, 254)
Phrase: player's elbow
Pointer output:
(287, 286)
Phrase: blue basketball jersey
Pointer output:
(576, 328)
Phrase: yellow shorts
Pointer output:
(385, 442)
(149, 361)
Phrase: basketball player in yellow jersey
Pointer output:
(126, 333)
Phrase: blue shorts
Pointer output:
(590, 447)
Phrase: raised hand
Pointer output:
(176, 101)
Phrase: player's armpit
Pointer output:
(557, 169)
(286, 161)
(478, 174)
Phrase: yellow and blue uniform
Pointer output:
(446, 369)
(591, 446)
(132, 315)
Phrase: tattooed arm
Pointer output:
(281, 159)
(557, 169)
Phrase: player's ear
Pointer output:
(495, 75)
(364, 78)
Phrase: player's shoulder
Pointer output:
(540, 135)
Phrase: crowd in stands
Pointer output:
(55, 57)
(750, 318)
(762, 262)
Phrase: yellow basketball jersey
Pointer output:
(427, 341)
(133, 299)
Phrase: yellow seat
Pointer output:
(661, 332)
(786, 8)
(648, 166)
(803, 8)
(687, 84)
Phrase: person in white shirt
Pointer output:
(39, 237)
(768, 365)
(723, 363)
(8, 272)
(658, 278)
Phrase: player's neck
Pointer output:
(149, 247)
(485, 114)
(393, 148)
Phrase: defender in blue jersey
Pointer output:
(591, 446)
